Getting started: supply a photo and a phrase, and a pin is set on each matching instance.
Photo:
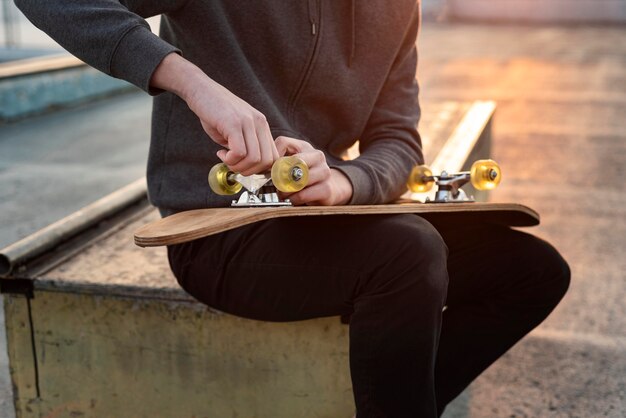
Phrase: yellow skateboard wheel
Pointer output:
(290, 174)
(420, 179)
(219, 183)
(485, 174)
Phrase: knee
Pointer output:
(557, 273)
(418, 257)
(431, 258)
(554, 275)
(417, 239)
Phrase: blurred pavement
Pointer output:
(560, 137)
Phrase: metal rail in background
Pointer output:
(49, 237)
(44, 84)
(39, 64)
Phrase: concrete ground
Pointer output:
(559, 135)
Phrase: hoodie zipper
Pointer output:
(312, 19)
(315, 17)
(312, 14)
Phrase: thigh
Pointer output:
(494, 262)
(298, 268)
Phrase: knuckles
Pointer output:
(279, 142)
(320, 155)
(267, 162)
(253, 159)
(236, 154)
(326, 171)
(259, 118)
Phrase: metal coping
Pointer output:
(461, 142)
(38, 65)
(54, 234)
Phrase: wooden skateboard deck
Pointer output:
(190, 225)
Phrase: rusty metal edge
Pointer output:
(51, 236)
(38, 65)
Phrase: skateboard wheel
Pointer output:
(290, 174)
(485, 174)
(219, 182)
(420, 179)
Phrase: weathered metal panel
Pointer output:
(21, 360)
(104, 356)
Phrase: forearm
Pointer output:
(228, 120)
(179, 76)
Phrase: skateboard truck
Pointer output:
(288, 174)
(484, 175)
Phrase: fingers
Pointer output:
(269, 153)
(235, 125)
(252, 158)
(255, 140)
(236, 150)
(290, 146)
(318, 168)
(314, 195)
(272, 146)
(317, 190)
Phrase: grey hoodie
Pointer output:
(327, 71)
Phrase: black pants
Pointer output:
(392, 275)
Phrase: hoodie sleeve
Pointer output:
(390, 145)
(109, 35)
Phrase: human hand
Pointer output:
(326, 186)
(230, 121)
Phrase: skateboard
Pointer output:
(260, 201)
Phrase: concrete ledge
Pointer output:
(37, 85)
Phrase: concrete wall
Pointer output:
(566, 11)
(98, 357)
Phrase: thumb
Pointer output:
(214, 134)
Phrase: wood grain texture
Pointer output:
(190, 225)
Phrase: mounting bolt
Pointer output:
(297, 173)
